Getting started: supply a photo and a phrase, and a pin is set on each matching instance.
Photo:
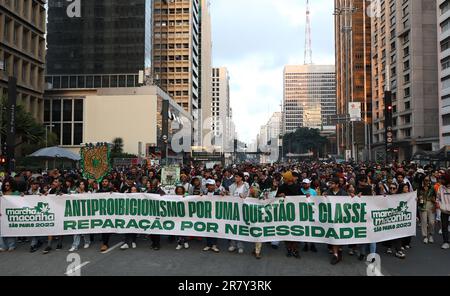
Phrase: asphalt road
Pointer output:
(421, 260)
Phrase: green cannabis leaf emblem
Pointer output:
(43, 208)
(403, 207)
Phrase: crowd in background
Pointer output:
(253, 181)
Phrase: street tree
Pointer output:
(304, 140)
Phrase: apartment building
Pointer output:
(404, 61)
(22, 52)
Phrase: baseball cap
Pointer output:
(211, 182)
(306, 181)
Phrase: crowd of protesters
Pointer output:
(254, 181)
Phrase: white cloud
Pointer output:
(255, 39)
(293, 11)
(256, 92)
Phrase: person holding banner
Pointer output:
(219, 189)
(228, 179)
(34, 190)
(212, 190)
(130, 238)
(335, 190)
(185, 182)
(255, 192)
(443, 203)
(272, 193)
(196, 188)
(156, 189)
(105, 187)
(55, 189)
(181, 240)
(307, 191)
(9, 243)
(397, 243)
(365, 189)
(82, 188)
(290, 188)
(404, 186)
(239, 189)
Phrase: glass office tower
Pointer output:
(110, 37)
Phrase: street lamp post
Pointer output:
(46, 141)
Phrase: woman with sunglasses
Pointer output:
(427, 207)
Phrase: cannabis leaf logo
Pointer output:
(43, 208)
(403, 207)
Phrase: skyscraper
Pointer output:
(177, 49)
(404, 56)
(22, 52)
(443, 29)
(309, 96)
(205, 71)
(353, 73)
(99, 57)
(268, 139)
(110, 37)
(221, 109)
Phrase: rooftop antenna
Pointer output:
(308, 43)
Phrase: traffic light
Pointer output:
(3, 160)
(388, 108)
(388, 122)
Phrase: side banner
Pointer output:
(330, 220)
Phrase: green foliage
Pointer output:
(28, 130)
(304, 140)
(123, 155)
(117, 146)
(29, 148)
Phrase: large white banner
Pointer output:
(331, 220)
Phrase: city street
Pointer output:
(422, 259)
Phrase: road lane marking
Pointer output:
(113, 248)
(77, 268)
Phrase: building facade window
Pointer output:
(65, 118)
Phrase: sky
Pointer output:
(255, 39)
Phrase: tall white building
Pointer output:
(221, 124)
(268, 139)
(309, 96)
(205, 71)
(262, 144)
(274, 126)
(443, 23)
